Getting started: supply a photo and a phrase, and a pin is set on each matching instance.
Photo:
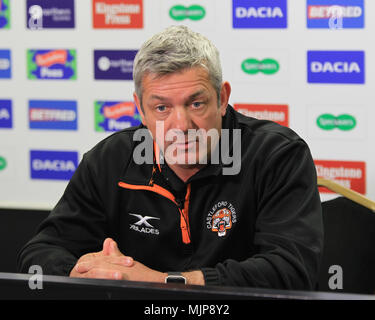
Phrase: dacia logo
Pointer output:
(6, 114)
(53, 165)
(260, 14)
(336, 67)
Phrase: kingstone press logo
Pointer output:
(117, 14)
(343, 122)
(194, 12)
(6, 114)
(114, 64)
(5, 64)
(272, 112)
(350, 174)
(52, 64)
(254, 66)
(42, 14)
(53, 165)
(336, 67)
(4, 14)
(335, 14)
(53, 115)
(259, 14)
(115, 115)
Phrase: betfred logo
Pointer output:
(336, 67)
(52, 64)
(53, 115)
(53, 165)
(273, 112)
(350, 174)
(115, 115)
(259, 14)
(109, 14)
(5, 114)
(114, 64)
(335, 14)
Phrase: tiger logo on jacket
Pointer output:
(222, 221)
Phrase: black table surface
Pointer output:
(17, 286)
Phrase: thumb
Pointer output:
(113, 248)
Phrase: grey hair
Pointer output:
(175, 49)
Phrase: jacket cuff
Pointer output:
(211, 276)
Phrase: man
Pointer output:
(236, 209)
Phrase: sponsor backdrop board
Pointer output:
(66, 80)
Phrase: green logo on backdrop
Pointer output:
(343, 122)
(3, 163)
(266, 66)
(180, 12)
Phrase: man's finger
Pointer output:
(106, 246)
(86, 266)
(113, 249)
(98, 273)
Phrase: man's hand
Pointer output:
(103, 264)
(110, 263)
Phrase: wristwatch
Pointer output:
(175, 277)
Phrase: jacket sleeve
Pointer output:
(75, 226)
(289, 227)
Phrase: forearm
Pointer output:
(53, 260)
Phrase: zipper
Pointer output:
(183, 206)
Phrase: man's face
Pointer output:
(177, 105)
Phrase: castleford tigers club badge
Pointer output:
(221, 218)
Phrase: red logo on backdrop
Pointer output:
(350, 174)
(109, 14)
(274, 112)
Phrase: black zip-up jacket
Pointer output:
(259, 228)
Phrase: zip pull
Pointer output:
(180, 203)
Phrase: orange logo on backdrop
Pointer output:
(274, 112)
(113, 14)
(350, 174)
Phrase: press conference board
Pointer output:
(66, 80)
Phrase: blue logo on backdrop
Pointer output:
(54, 115)
(50, 14)
(335, 14)
(6, 114)
(336, 67)
(260, 14)
(53, 165)
(5, 65)
(114, 64)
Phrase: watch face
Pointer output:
(175, 279)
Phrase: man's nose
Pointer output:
(181, 119)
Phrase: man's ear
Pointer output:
(224, 97)
(138, 105)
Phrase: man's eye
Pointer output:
(197, 104)
(161, 108)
